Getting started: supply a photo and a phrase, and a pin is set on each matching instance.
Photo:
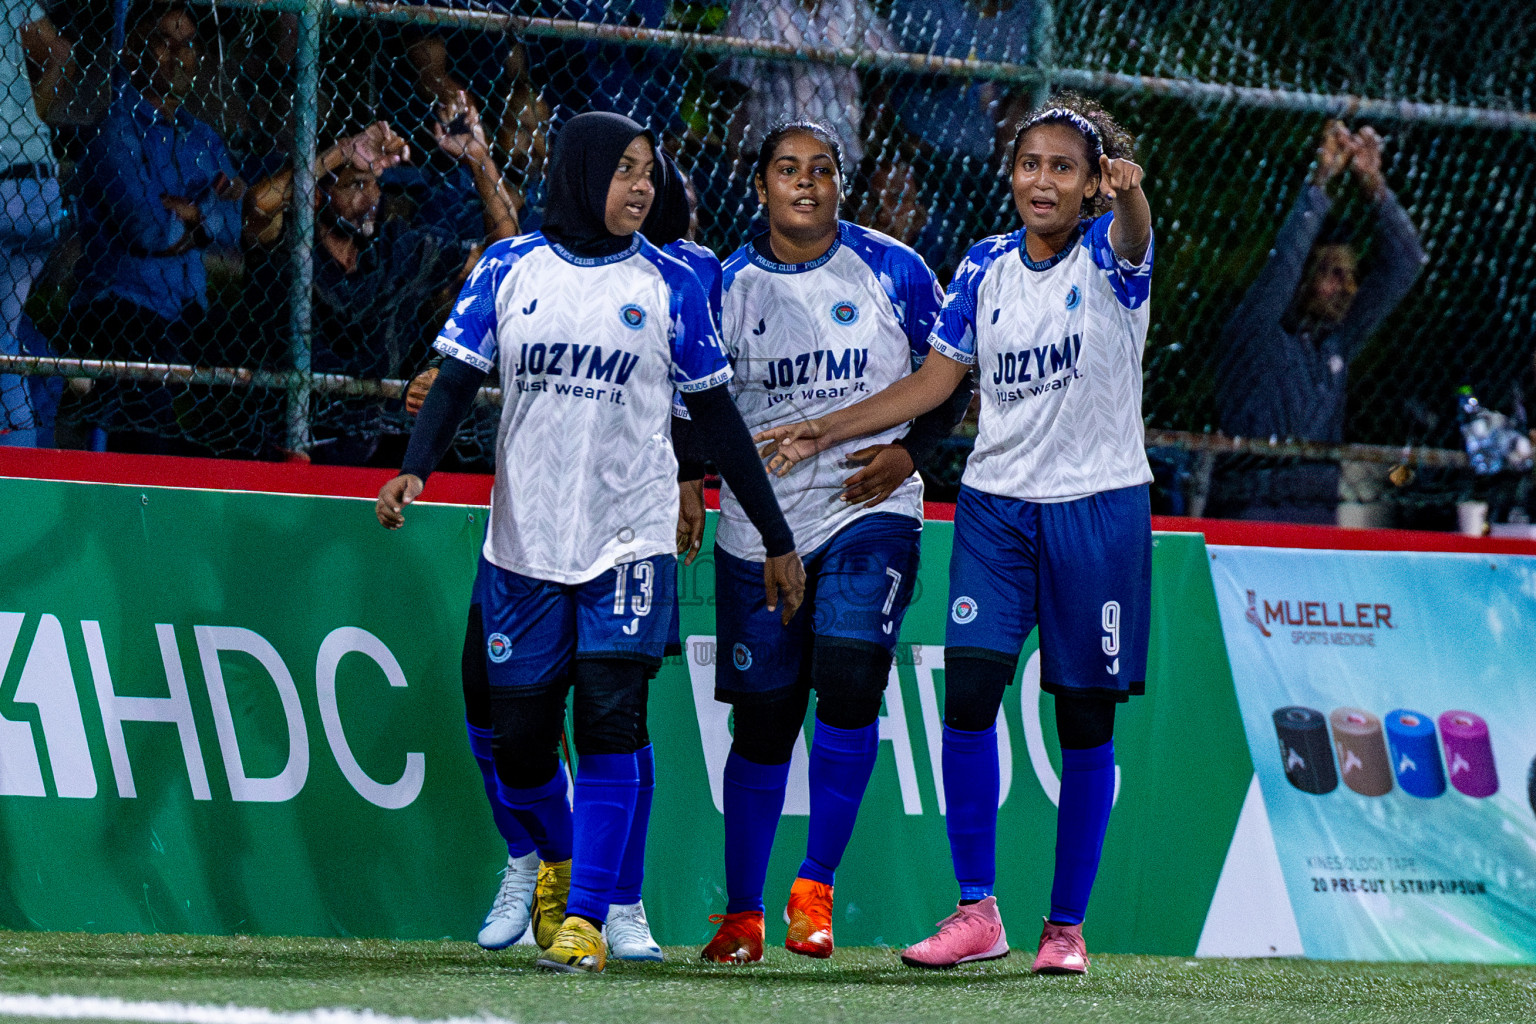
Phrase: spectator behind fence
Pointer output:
(378, 287)
(435, 69)
(794, 90)
(157, 189)
(961, 126)
(36, 58)
(1286, 350)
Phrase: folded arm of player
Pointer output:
(886, 467)
(907, 399)
(449, 401)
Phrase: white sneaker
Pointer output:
(629, 934)
(509, 915)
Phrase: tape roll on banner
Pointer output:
(1530, 786)
(1305, 752)
(1415, 753)
(1468, 754)
(1362, 751)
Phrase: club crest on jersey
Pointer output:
(1074, 297)
(498, 648)
(632, 316)
(963, 610)
(845, 313)
(741, 657)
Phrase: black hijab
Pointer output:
(586, 153)
(670, 213)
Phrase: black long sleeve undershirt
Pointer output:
(692, 463)
(717, 431)
(449, 401)
(933, 426)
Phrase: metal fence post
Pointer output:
(1042, 46)
(302, 220)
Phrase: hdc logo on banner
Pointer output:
(48, 683)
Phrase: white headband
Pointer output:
(1073, 118)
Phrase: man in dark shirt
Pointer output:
(1286, 350)
(376, 285)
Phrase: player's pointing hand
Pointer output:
(1119, 176)
(393, 497)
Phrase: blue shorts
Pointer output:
(1081, 569)
(534, 628)
(857, 588)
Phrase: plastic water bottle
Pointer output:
(1493, 443)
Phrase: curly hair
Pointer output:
(1101, 133)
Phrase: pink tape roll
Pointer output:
(1468, 754)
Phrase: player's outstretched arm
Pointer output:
(452, 394)
(933, 383)
(716, 418)
(1131, 232)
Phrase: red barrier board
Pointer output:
(475, 489)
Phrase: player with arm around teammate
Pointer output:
(817, 313)
(592, 328)
(1053, 524)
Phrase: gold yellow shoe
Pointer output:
(549, 895)
(578, 948)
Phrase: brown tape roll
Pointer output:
(1362, 748)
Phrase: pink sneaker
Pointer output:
(1061, 950)
(973, 932)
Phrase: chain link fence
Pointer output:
(175, 286)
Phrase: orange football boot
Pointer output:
(809, 916)
(739, 940)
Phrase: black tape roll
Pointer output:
(1305, 752)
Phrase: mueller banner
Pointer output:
(1390, 704)
(234, 712)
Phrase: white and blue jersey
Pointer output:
(590, 351)
(706, 267)
(808, 339)
(1053, 525)
(1057, 346)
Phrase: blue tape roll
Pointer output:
(1415, 753)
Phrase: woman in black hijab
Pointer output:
(579, 211)
(592, 327)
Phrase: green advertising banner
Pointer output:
(235, 712)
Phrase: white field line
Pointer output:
(58, 1007)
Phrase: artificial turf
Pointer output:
(439, 979)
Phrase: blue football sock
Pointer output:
(971, 781)
(545, 813)
(841, 763)
(1087, 794)
(604, 810)
(632, 870)
(754, 799)
(519, 842)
